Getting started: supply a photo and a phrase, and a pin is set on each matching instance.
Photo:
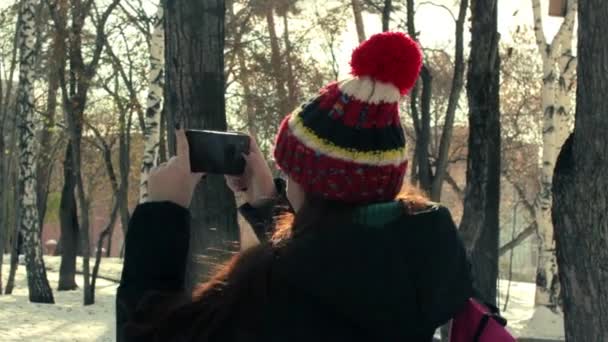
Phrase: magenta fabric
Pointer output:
(465, 325)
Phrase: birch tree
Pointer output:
(432, 182)
(154, 102)
(29, 224)
(559, 67)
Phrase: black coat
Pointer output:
(385, 277)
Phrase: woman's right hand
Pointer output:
(256, 181)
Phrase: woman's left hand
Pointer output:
(174, 181)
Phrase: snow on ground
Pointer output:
(523, 320)
(68, 320)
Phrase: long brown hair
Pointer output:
(229, 292)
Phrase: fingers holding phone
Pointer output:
(235, 155)
(256, 181)
(174, 181)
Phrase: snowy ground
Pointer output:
(68, 320)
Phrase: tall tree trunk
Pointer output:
(291, 81)
(423, 137)
(431, 182)
(195, 45)
(14, 258)
(46, 159)
(102, 236)
(557, 79)
(457, 85)
(12, 206)
(275, 60)
(243, 74)
(124, 168)
(357, 13)
(3, 227)
(68, 218)
(579, 187)
(38, 285)
(386, 14)
(155, 103)
(8, 133)
(480, 220)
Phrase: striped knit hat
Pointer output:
(347, 144)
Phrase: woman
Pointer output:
(351, 259)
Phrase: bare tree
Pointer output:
(75, 96)
(29, 223)
(579, 189)
(480, 221)
(559, 66)
(430, 181)
(6, 106)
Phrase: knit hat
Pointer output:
(347, 144)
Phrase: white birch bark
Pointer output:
(558, 72)
(29, 224)
(154, 103)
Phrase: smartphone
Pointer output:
(217, 152)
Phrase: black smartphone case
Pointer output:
(217, 152)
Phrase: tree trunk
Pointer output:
(423, 138)
(68, 217)
(244, 77)
(386, 14)
(75, 122)
(124, 168)
(291, 81)
(457, 84)
(12, 206)
(432, 183)
(14, 259)
(579, 188)
(38, 285)
(6, 94)
(195, 44)
(480, 221)
(275, 60)
(358, 20)
(155, 103)
(102, 236)
(46, 158)
(557, 70)
(3, 227)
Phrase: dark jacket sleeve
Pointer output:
(155, 257)
(445, 281)
(261, 218)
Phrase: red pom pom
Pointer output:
(390, 57)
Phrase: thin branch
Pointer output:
(520, 238)
(430, 3)
(457, 189)
(100, 39)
